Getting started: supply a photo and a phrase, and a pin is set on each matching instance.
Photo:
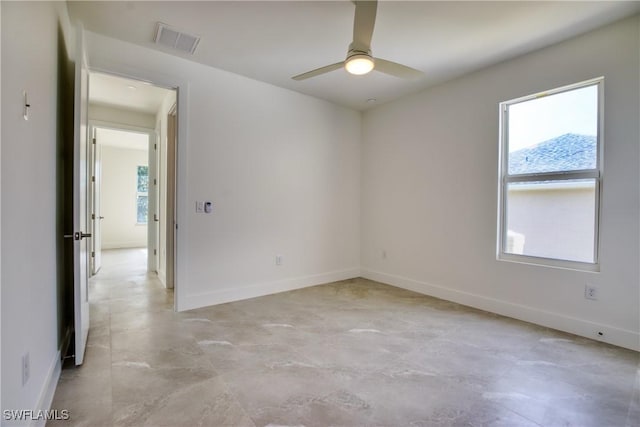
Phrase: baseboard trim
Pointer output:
(222, 296)
(66, 341)
(49, 389)
(611, 335)
(162, 278)
(123, 245)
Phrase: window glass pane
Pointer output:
(143, 207)
(143, 179)
(554, 133)
(551, 219)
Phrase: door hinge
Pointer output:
(155, 252)
(155, 146)
(94, 141)
(93, 179)
(93, 216)
(155, 181)
(93, 254)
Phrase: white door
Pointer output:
(80, 205)
(153, 216)
(96, 217)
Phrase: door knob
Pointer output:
(78, 235)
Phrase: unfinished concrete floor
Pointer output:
(352, 353)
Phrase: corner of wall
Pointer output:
(266, 288)
(65, 26)
(445, 237)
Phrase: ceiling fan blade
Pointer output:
(319, 71)
(363, 23)
(397, 70)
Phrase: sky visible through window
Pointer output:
(541, 119)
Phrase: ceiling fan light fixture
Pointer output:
(359, 64)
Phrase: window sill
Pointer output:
(585, 267)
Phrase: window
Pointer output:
(142, 195)
(550, 172)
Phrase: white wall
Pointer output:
(121, 116)
(281, 168)
(29, 220)
(118, 202)
(0, 215)
(429, 173)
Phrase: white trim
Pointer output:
(591, 82)
(584, 267)
(49, 389)
(222, 296)
(119, 126)
(123, 245)
(553, 176)
(162, 277)
(585, 328)
(554, 186)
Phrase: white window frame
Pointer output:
(505, 179)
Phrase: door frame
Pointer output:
(151, 230)
(181, 85)
(95, 181)
(170, 193)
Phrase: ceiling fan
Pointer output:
(359, 59)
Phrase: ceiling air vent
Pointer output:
(174, 39)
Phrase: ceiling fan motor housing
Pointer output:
(359, 62)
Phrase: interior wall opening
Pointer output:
(119, 199)
(131, 186)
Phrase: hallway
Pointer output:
(124, 301)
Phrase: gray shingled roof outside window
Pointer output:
(566, 152)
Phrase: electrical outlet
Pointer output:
(26, 368)
(590, 292)
(278, 259)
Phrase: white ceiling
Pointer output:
(273, 41)
(122, 139)
(127, 94)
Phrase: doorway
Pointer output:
(114, 102)
(131, 188)
(119, 192)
